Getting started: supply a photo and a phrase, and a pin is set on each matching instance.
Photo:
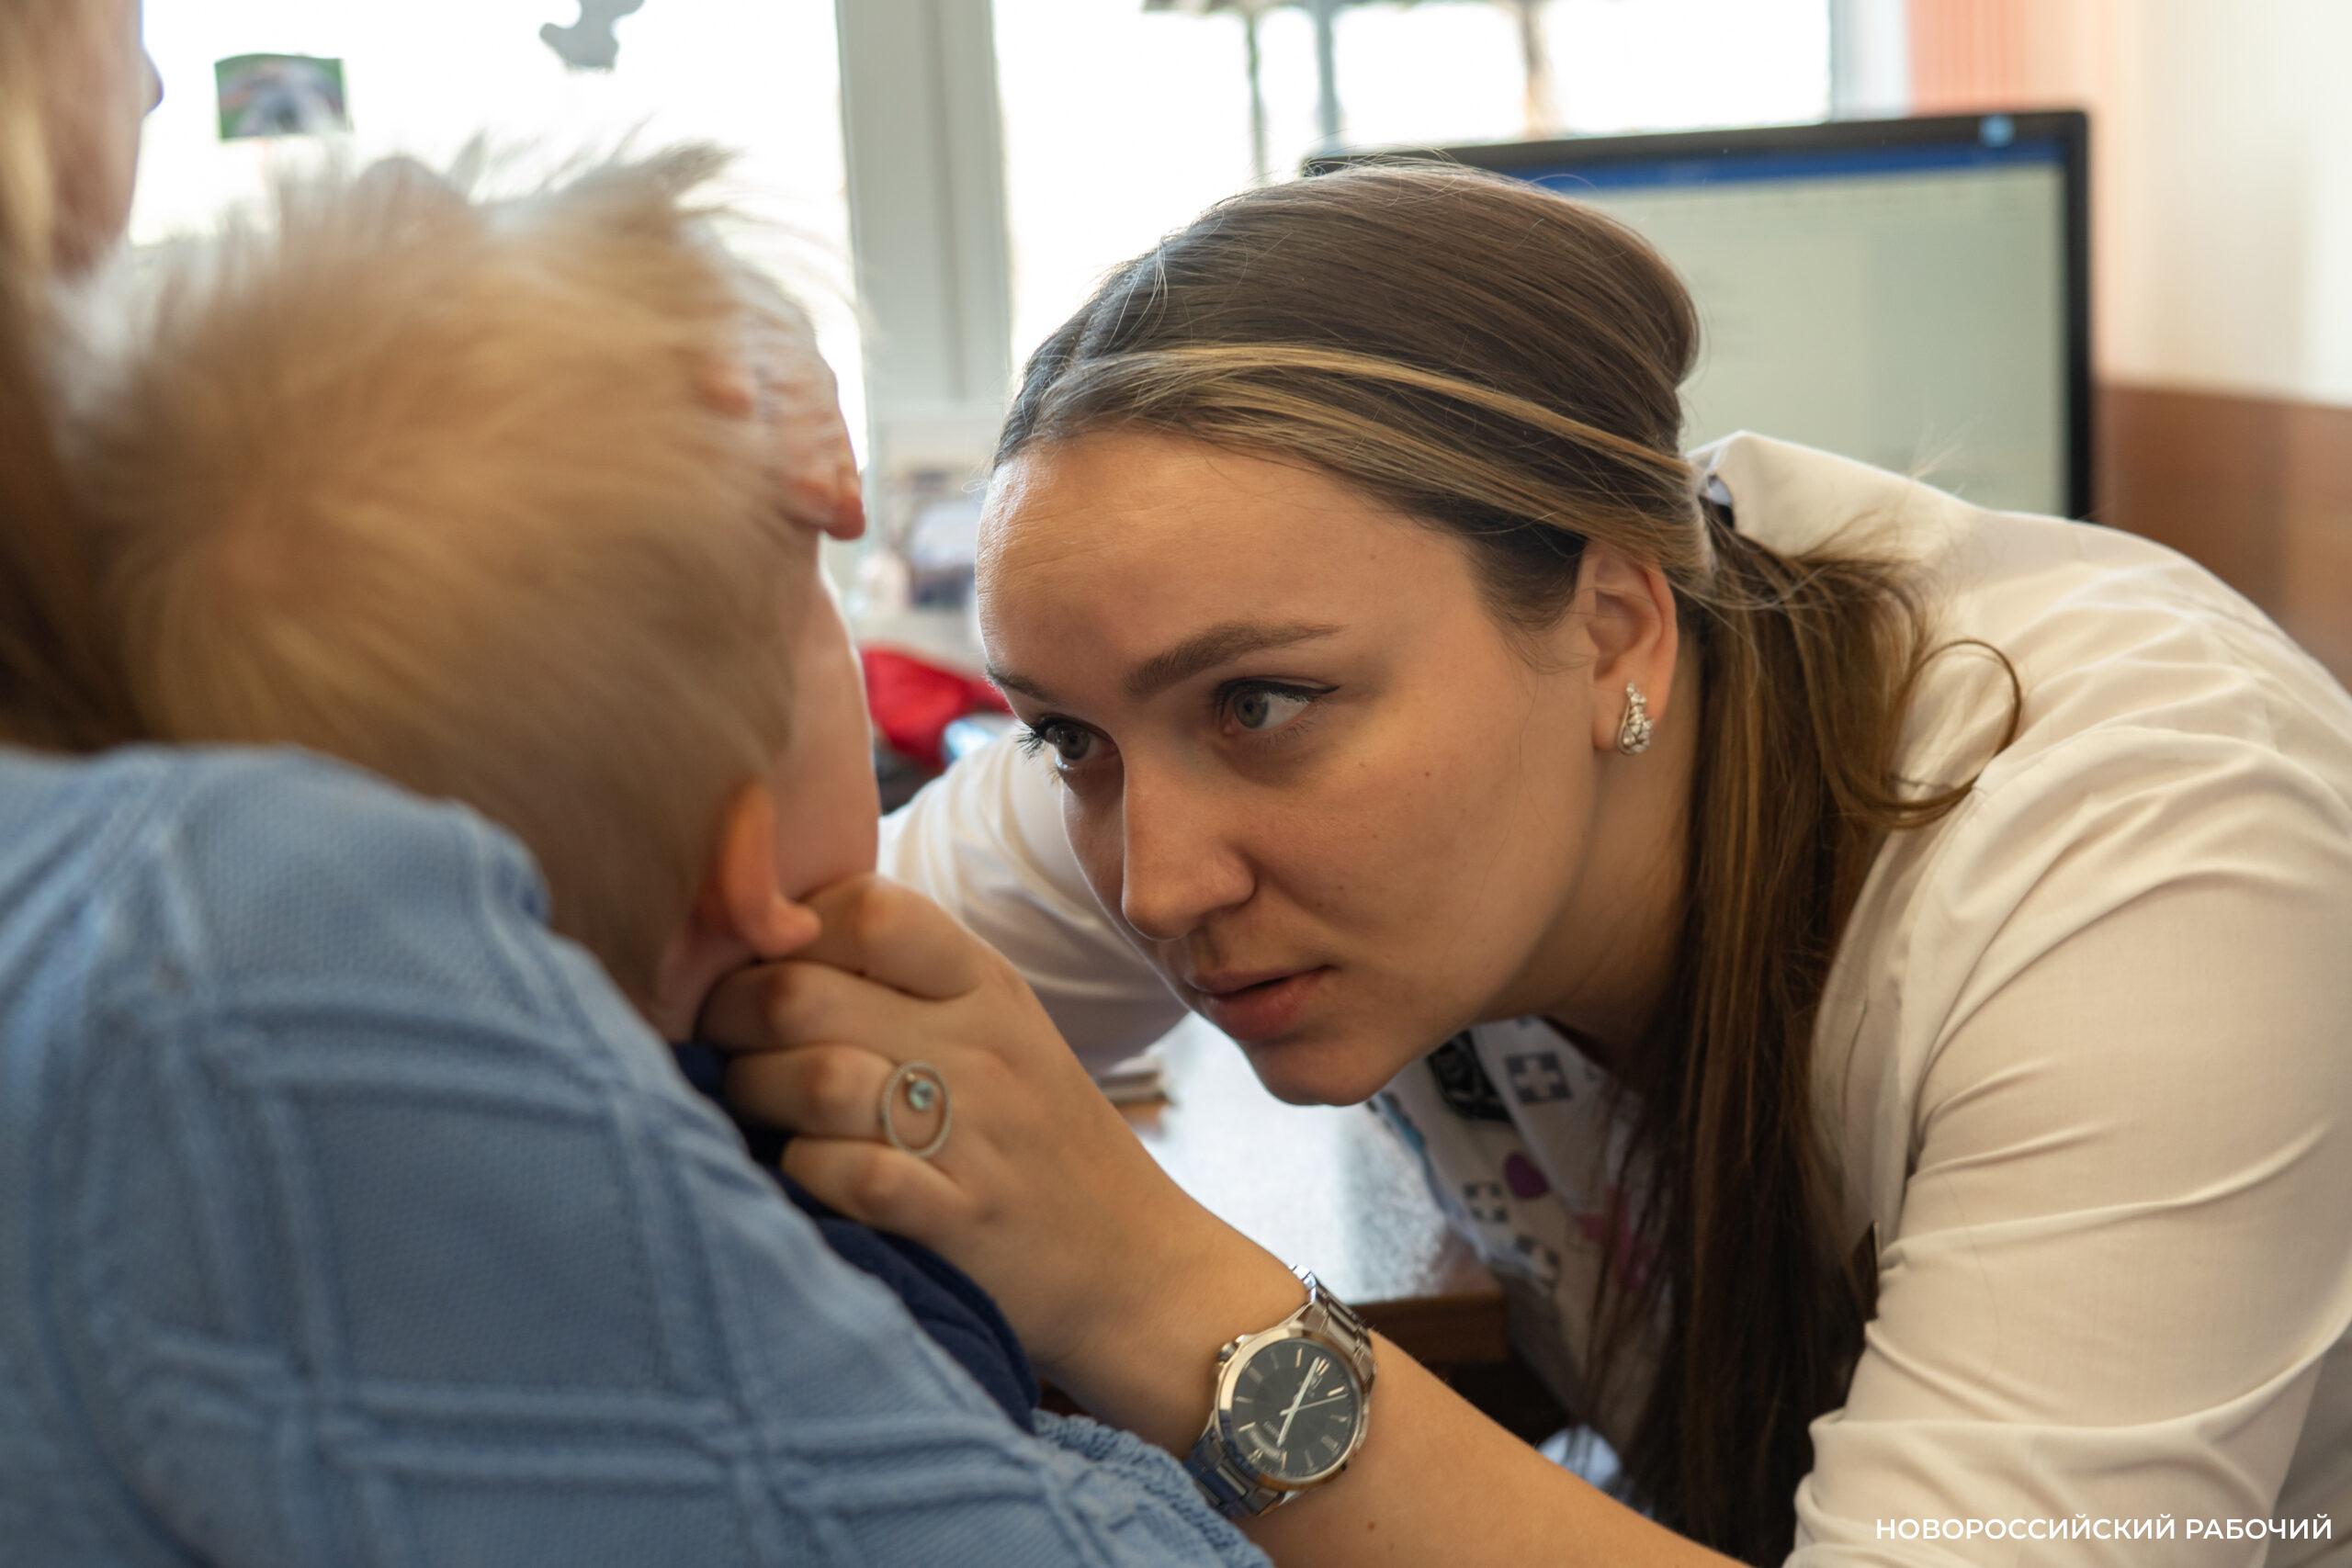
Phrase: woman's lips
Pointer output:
(1262, 1010)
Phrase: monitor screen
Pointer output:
(1912, 300)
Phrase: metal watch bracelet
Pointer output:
(1231, 1487)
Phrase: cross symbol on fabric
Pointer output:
(1539, 1262)
(1537, 1078)
(1484, 1200)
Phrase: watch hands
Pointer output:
(1296, 1400)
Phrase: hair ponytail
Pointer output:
(1810, 664)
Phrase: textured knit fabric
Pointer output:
(948, 1303)
(348, 1216)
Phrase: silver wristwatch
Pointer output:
(1289, 1410)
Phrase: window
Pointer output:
(423, 76)
(1674, 65)
(1122, 119)
(1119, 124)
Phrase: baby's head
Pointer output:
(465, 494)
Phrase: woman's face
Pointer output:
(1301, 758)
(100, 86)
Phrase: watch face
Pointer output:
(1296, 1409)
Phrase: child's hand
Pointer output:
(1039, 1190)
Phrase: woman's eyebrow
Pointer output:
(1203, 651)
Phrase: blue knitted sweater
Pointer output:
(349, 1216)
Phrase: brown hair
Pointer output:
(431, 486)
(58, 688)
(1504, 364)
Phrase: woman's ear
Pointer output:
(1635, 637)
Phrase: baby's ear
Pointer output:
(740, 898)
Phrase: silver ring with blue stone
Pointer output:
(924, 1088)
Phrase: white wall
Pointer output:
(2224, 195)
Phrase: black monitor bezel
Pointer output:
(2069, 128)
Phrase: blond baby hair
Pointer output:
(433, 486)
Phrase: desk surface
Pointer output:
(1326, 1187)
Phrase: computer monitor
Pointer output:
(1915, 293)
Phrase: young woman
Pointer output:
(1871, 973)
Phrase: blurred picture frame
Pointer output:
(280, 95)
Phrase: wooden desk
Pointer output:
(1327, 1188)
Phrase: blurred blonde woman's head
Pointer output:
(75, 82)
(437, 487)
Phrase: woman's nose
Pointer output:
(1181, 865)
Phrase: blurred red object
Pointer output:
(913, 700)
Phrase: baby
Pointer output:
(482, 498)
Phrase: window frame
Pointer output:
(923, 140)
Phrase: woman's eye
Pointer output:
(1262, 709)
(1070, 744)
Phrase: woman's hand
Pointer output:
(1122, 1287)
(1040, 1191)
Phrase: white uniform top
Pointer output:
(2085, 1053)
